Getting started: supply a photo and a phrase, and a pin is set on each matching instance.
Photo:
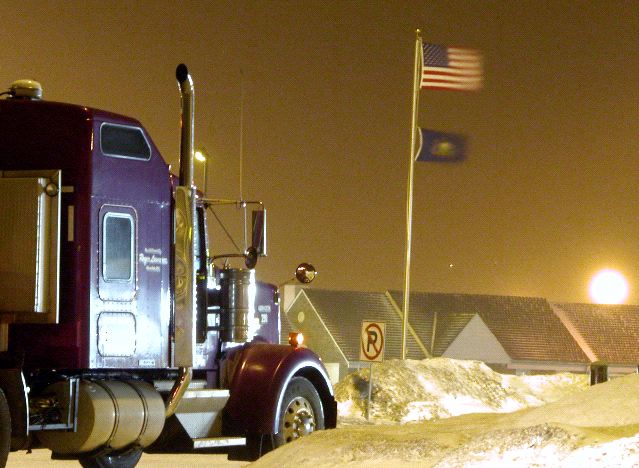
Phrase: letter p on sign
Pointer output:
(372, 341)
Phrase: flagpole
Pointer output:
(409, 195)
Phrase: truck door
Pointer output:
(132, 313)
(117, 281)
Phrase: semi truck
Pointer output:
(120, 331)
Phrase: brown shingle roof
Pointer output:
(611, 331)
(526, 327)
(344, 311)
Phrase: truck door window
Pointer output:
(117, 260)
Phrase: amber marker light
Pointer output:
(295, 339)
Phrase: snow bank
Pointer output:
(611, 404)
(587, 426)
(408, 391)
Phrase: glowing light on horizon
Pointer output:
(608, 287)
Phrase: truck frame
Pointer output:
(118, 332)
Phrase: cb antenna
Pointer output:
(241, 127)
(242, 153)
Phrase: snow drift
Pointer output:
(407, 391)
(443, 412)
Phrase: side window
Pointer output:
(117, 241)
(123, 141)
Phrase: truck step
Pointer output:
(209, 393)
(200, 412)
(215, 442)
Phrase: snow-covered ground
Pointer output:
(443, 412)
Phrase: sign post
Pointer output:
(371, 349)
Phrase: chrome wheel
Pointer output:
(300, 413)
(299, 419)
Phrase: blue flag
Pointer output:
(439, 146)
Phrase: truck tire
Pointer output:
(5, 429)
(301, 412)
(123, 459)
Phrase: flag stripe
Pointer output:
(451, 87)
(452, 80)
(435, 71)
(452, 68)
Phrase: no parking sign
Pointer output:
(372, 341)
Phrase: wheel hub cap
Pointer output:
(299, 419)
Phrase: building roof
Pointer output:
(343, 312)
(526, 327)
(610, 331)
(285, 328)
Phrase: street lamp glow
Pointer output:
(608, 287)
(199, 155)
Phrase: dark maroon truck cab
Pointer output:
(111, 306)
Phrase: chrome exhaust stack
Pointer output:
(187, 125)
(183, 339)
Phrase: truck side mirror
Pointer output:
(250, 258)
(305, 273)
(258, 235)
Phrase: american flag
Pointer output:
(453, 68)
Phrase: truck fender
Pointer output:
(261, 374)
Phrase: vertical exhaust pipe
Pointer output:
(184, 259)
(187, 125)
